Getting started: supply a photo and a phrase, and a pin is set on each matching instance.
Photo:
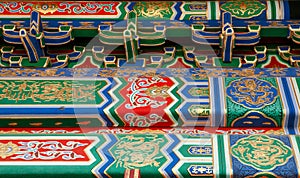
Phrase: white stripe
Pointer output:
(269, 14)
(114, 102)
(199, 160)
(175, 100)
(222, 100)
(282, 9)
(168, 157)
(215, 156)
(208, 10)
(218, 13)
(286, 107)
(296, 150)
(296, 91)
(212, 103)
(103, 157)
(174, 11)
(196, 140)
(296, 106)
(200, 101)
(227, 157)
(183, 159)
(278, 16)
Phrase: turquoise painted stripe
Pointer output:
(213, 10)
(273, 10)
(221, 156)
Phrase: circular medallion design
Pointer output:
(251, 92)
(244, 9)
(261, 152)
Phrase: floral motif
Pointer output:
(261, 152)
(244, 9)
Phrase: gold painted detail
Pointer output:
(156, 91)
(196, 91)
(137, 151)
(76, 8)
(48, 92)
(45, 8)
(199, 110)
(244, 9)
(261, 152)
(26, 72)
(196, 74)
(159, 9)
(200, 150)
(147, 131)
(252, 92)
(13, 132)
(8, 149)
(143, 121)
(201, 170)
(275, 132)
(198, 6)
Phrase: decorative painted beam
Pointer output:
(294, 33)
(169, 98)
(199, 60)
(264, 12)
(249, 61)
(34, 42)
(130, 46)
(154, 60)
(227, 38)
(285, 53)
(235, 62)
(261, 53)
(110, 37)
(63, 35)
(227, 44)
(165, 152)
(199, 35)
